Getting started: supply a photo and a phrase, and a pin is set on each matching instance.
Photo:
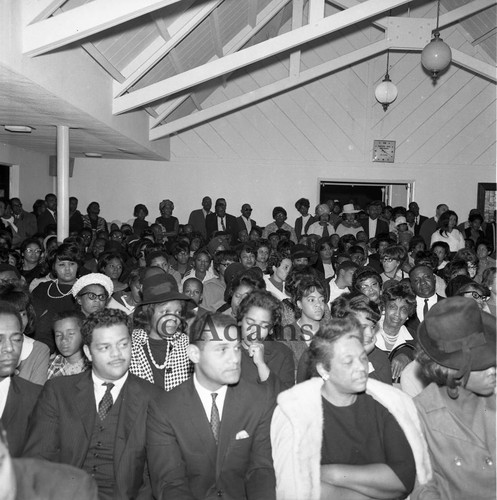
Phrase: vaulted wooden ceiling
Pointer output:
(164, 58)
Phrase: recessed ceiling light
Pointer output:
(93, 155)
(19, 128)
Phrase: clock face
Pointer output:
(384, 151)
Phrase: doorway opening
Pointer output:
(4, 181)
(362, 193)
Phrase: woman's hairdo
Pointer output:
(321, 348)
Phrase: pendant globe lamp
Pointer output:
(386, 92)
(436, 56)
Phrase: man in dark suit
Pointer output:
(373, 225)
(17, 396)
(197, 217)
(97, 420)
(429, 226)
(423, 284)
(221, 221)
(418, 218)
(48, 217)
(25, 222)
(245, 220)
(209, 437)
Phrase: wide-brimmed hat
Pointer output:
(400, 220)
(93, 279)
(457, 335)
(159, 286)
(349, 209)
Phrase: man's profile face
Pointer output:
(73, 205)
(218, 359)
(423, 282)
(414, 207)
(110, 351)
(11, 339)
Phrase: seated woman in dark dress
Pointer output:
(263, 358)
(342, 436)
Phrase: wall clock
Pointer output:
(384, 151)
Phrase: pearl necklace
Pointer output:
(159, 367)
(62, 294)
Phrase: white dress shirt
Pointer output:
(420, 304)
(206, 398)
(4, 392)
(99, 389)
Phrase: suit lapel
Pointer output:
(13, 404)
(85, 403)
(199, 422)
(130, 406)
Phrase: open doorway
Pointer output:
(4, 181)
(361, 193)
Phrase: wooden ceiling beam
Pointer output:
(84, 21)
(250, 55)
(173, 34)
(466, 10)
(479, 67)
(266, 14)
(268, 90)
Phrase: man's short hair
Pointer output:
(210, 322)
(103, 318)
(346, 265)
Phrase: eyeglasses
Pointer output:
(33, 250)
(102, 297)
(114, 266)
(247, 210)
(477, 296)
(371, 286)
(387, 259)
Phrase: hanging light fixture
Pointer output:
(386, 92)
(436, 56)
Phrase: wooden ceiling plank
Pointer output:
(164, 110)
(464, 11)
(84, 21)
(473, 64)
(268, 90)
(297, 20)
(250, 55)
(188, 22)
(99, 58)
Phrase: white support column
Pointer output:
(62, 182)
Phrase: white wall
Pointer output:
(34, 181)
(119, 185)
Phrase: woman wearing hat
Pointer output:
(457, 410)
(158, 351)
(92, 292)
(349, 225)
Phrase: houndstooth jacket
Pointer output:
(178, 364)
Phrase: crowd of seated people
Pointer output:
(217, 357)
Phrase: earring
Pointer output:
(325, 377)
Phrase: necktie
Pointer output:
(222, 224)
(425, 308)
(106, 402)
(325, 231)
(215, 422)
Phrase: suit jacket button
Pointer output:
(169, 370)
(219, 493)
